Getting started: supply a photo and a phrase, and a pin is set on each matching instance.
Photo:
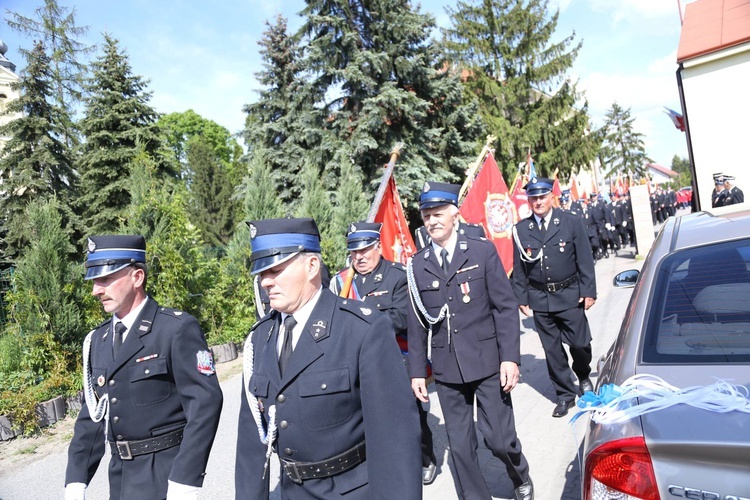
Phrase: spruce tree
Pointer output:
(316, 203)
(117, 122)
(351, 205)
(257, 194)
(211, 206)
(178, 269)
(622, 150)
(519, 76)
(283, 121)
(378, 69)
(34, 163)
(56, 28)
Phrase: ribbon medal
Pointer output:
(465, 289)
(528, 252)
(100, 381)
(562, 246)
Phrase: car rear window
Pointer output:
(701, 307)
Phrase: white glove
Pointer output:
(75, 491)
(608, 226)
(624, 223)
(177, 491)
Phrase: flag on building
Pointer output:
(677, 118)
(487, 203)
(395, 239)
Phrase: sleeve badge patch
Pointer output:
(205, 363)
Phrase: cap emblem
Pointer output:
(253, 231)
(92, 246)
(352, 228)
(426, 187)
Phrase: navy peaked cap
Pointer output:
(538, 186)
(362, 234)
(435, 194)
(275, 241)
(110, 253)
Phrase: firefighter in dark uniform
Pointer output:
(149, 383)
(460, 293)
(591, 229)
(324, 384)
(381, 284)
(553, 275)
(734, 195)
(597, 209)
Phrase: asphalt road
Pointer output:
(551, 444)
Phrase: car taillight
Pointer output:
(620, 470)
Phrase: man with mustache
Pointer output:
(150, 386)
(463, 299)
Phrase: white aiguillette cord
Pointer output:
(269, 437)
(98, 407)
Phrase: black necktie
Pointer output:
(445, 263)
(120, 329)
(286, 347)
(542, 228)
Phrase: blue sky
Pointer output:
(204, 55)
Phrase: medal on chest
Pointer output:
(562, 246)
(465, 290)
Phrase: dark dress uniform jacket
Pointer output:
(384, 289)
(148, 398)
(345, 382)
(567, 253)
(485, 330)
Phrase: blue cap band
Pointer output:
(363, 235)
(308, 242)
(115, 254)
(438, 196)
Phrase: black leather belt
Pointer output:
(300, 471)
(129, 449)
(553, 287)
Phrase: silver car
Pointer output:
(688, 323)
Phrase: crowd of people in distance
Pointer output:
(609, 224)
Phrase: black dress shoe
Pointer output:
(525, 491)
(562, 408)
(586, 386)
(428, 474)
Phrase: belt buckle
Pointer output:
(291, 470)
(551, 287)
(123, 449)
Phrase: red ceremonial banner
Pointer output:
(556, 193)
(395, 238)
(487, 203)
